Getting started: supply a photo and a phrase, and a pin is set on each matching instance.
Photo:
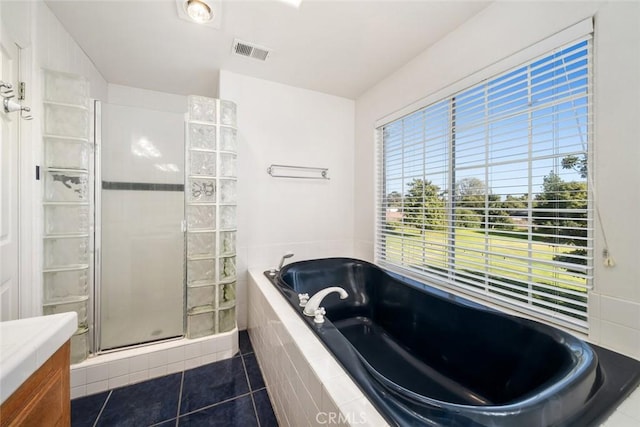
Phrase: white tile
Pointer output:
(594, 330)
(620, 338)
(225, 342)
(118, 368)
(594, 305)
(97, 387)
(116, 382)
(618, 419)
(631, 406)
(361, 412)
(341, 389)
(619, 311)
(226, 354)
(175, 367)
(209, 347)
(175, 355)
(209, 358)
(242, 313)
(192, 350)
(158, 371)
(78, 377)
(158, 358)
(137, 377)
(79, 391)
(139, 363)
(235, 346)
(193, 363)
(97, 373)
(325, 367)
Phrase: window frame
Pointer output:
(574, 34)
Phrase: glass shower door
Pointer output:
(142, 272)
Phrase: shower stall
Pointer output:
(140, 243)
(140, 218)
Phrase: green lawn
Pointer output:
(408, 246)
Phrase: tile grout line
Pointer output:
(104, 405)
(253, 402)
(216, 404)
(180, 398)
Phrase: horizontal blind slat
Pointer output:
(509, 136)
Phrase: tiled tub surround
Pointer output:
(303, 368)
(120, 368)
(226, 393)
(305, 383)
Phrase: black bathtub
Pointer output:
(426, 357)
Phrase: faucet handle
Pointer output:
(303, 299)
(319, 315)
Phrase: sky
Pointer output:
(503, 131)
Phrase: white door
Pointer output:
(9, 284)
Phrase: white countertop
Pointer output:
(25, 345)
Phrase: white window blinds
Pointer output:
(487, 190)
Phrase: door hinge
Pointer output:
(22, 88)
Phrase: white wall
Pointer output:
(498, 31)
(279, 124)
(44, 43)
(143, 98)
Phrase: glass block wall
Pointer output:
(211, 216)
(68, 219)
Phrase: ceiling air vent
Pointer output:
(250, 50)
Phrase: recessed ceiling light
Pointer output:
(203, 12)
(199, 11)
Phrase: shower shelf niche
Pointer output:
(210, 216)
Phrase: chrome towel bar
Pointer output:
(303, 172)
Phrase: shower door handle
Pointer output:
(183, 226)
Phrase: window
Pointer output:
(488, 190)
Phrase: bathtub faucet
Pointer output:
(285, 256)
(314, 302)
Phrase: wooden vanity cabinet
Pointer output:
(44, 398)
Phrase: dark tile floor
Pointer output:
(226, 393)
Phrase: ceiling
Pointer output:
(337, 47)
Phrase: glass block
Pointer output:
(79, 305)
(202, 190)
(228, 217)
(228, 165)
(227, 243)
(65, 219)
(66, 251)
(201, 244)
(65, 284)
(66, 153)
(200, 271)
(62, 120)
(227, 295)
(200, 297)
(201, 217)
(201, 325)
(228, 113)
(202, 109)
(228, 192)
(202, 163)
(202, 136)
(66, 88)
(228, 139)
(80, 345)
(227, 319)
(227, 268)
(66, 187)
